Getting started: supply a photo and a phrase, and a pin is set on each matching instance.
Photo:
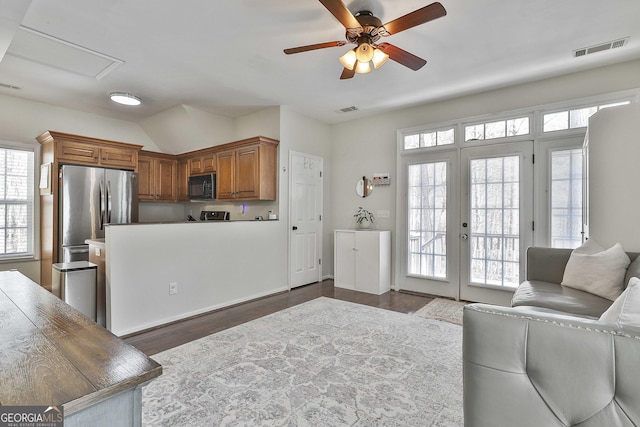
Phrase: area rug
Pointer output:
(322, 363)
(443, 309)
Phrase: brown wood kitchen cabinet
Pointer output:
(157, 177)
(183, 179)
(246, 170)
(58, 148)
(92, 152)
(203, 164)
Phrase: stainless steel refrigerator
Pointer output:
(91, 198)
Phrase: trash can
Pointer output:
(76, 282)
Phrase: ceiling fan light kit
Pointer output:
(364, 30)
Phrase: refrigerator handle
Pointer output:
(108, 202)
(102, 211)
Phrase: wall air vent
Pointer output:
(348, 109)
(8, 86)
(600, 47)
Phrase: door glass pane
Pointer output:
(566, 198)
(427, 220)
(495, 221)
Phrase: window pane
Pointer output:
(411, 142)
(556, 121)
(428, 139)
(580, 118)
(566, 198)
(495, 221)
(495, 130)
(16, 202)
(517, 127)
(615, 104)
(427, 219)
(473, 132)
(446, 137)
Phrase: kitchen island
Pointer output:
(52, 355)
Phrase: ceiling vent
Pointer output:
(8, 86)
(600, 47)
(348, 109)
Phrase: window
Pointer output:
(498, 129)
(566, 198)
(429, 139)
(428, 219)
(573, 119)
(495, 221)
(16, 203)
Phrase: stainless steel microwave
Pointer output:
(202, 187)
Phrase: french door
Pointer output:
(496, 220)
(469, 221)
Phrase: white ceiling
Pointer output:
(226, 58)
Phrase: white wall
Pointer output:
(184, 128)
(214, 264)
(614, 177)
(369, 145)
(23, 120)
(302, 134)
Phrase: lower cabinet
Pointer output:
(362, 260)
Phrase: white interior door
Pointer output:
(497, 220)
(305, 218)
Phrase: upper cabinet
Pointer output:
(203, 164)
(157, 173)
(73, 149)
(246, 170)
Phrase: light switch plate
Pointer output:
(383, 213)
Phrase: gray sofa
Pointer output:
(549, 361)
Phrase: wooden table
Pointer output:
(51, 354)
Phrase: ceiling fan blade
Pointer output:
(314, 47)
(402, 56)
(342, 14)
(415, 18)
(347, 73)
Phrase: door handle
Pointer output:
(465, 237)
(294, 228)
(102, 207)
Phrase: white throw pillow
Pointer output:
(600, 272)
(626, 308)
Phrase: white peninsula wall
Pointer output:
(215, 264)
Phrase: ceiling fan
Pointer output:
(364, 30)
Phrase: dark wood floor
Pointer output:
(175, 334)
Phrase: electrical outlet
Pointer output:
(173, 288)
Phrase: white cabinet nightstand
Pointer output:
(362, 260)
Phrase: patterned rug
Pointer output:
(322, 363)
(443, 309)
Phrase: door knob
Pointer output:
(294, 227)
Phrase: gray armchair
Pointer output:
(534, 367)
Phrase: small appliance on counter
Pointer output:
(214, 216)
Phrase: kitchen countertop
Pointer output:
(53, 355)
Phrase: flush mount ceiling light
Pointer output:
(364, 30)
(125, 98)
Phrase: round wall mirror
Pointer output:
(364, 187)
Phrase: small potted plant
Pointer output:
(364, 218)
